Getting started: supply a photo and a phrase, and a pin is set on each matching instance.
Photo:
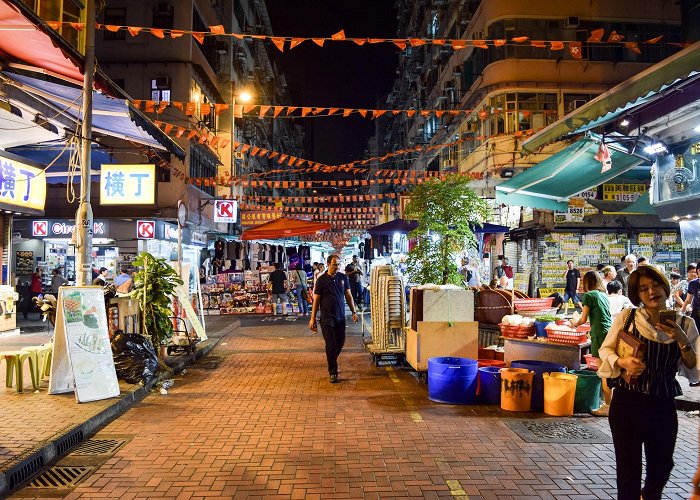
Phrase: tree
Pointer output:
(447, 211)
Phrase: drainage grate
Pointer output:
(21, 472)
(61, 477)
(68, 442)
(99, 447)
(557, 431)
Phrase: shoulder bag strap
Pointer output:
(628, 320)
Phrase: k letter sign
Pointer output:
(145, 229)
(226, 211)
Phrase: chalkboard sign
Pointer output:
(82, 359)
(24, 263)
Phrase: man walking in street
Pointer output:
(623, 275)
(278, 280)
(354, 273)
(331, 292)
(573, 279)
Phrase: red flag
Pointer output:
(575, 50)
(596, 35)
(615, 37)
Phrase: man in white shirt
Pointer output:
(617, 301)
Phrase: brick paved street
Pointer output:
(258, 418)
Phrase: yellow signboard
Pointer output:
(22, 185)
(128, 185)
(623, 192)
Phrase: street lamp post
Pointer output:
(244, 96)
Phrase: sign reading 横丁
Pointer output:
(22, 185)
(128, 185)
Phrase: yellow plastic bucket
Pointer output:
(559, 393)
(516, 389)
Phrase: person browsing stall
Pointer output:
(331, 292)
(643, 409)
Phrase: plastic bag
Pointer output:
(134, 358)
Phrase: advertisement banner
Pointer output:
(255, 218)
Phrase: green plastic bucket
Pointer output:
(588, 387)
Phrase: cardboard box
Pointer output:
(438, 338)
(455, 305)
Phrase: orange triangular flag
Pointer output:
(376, 40)
(633, 46)
(277, 110)
(615, 37)
(247, 108)
(346, 112)
(255, 150)
(191, 134)
(189, 108)
(168, 128)
(360, 41)
(133, 31)
(362, 112)
(376, 113)
(157, 33)
(410, 112)
(480, 44)
(655, 39)
(199, 36)
(176, 33)
(112, 28)
(305, 111)
(339, 36)
(459, 44)
(556, 45)
(217, 30)
(54, 24)
(204, 108)
(238, 110)
(263, 110)
(332, 111)
(180, 131)
(499, 43)
(596, 35)
(150, 106)
(291, 109)
(415, 42)
(400, 44)
(279, 42)
(538, 43)
(162, 106)
(319, 41)
(520, 39)
(218, 108)
(575, 50)
(78, 26)
(439, 113)
(295, 41)
(425, 112)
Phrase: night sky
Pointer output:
(340, 74)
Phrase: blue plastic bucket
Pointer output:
(539, 328)
(539, 367)
(490, 382)
(452, 380)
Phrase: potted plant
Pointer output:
(447, 211)
(154, 286)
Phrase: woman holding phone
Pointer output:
(643, 410)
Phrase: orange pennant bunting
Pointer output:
(556, 45)
(480, 44)
(199, 36)
(157, 33)
(277, 110)
(112, 28)
(633, 46)
(376, 113)
(655, 39)
(176, 33)
(360, 41)
(538, 43)
(499, 43)
(520, 39)
(575, 50)
(78, 26)
(263, 110)
(346, 112)
(247, 108)
(279, 42)
(295, 41)
(459, 44)
(400, 44)
(54, 24)
(319, 41)
(338, 36)
(362, 112)
(332, 111)
(180, 131)
(133, 31)
(217, 30)
(305, 111)
(596, 35)
(410, 113)
(615, 37)
(416, 42)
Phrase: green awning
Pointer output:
(634, 90)
(641, 206)
(549, 184)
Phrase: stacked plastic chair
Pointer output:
(388, 311)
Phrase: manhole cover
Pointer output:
(61, 477)
(557, 431)
(99, 447)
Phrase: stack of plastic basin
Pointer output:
(588, 386)
(452, 380)
(538, 367)
(487, 362)
(559, 393)
(516, 389)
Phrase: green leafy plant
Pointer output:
(546, 318)
(446, 211)
(154, 285)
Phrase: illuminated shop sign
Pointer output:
(128, 185)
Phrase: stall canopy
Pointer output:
(549, 184)
(393, 226)
(283, 227)
(490, 228)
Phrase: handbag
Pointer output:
(622, 346)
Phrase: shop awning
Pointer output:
(283, 227)
(549, 184)
(393, 226)
(631, 92)
(641, 206)
(110, 116)
(491, 228)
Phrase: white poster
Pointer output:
(82, 359)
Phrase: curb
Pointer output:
(33, 461)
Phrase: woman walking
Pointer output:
(643, 410)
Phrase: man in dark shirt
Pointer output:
(354, 273)
(331, 292)
(278, 279)
(573, 278)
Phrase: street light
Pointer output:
(244, 96)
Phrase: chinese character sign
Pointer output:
(128, 185)
(22, 185)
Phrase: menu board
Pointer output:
(24, 263)
(82, 360)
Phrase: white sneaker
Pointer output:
(603, 411)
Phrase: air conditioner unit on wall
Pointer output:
(162, 82)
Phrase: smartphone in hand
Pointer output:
(666, 316)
